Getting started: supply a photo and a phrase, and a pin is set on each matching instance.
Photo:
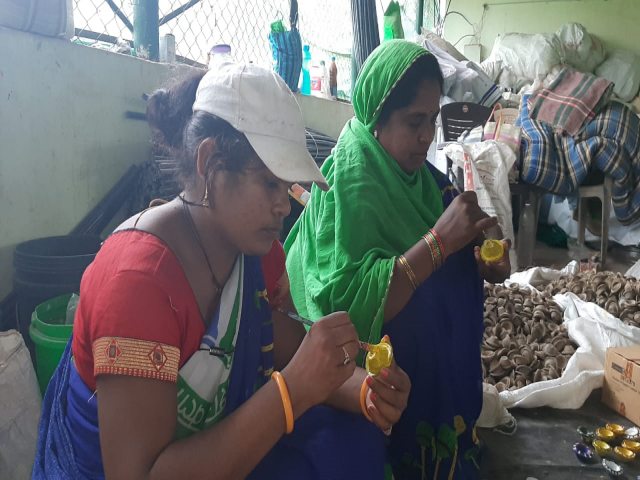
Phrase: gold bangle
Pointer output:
(408, 271)
(433, 257)
(434, 249)
(286, 400)
(363, 399)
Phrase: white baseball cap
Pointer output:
(258, 103)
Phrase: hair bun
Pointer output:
(169, 110)
(158, 106)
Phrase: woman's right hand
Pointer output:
(462, 222)
(318, 366)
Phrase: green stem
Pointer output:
(453, 463)
(435, 473)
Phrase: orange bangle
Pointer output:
(286, 400)
(363, 399)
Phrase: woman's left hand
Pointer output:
(498, 271)
(388, 395)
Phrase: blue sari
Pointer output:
(436, 340)
(325, 444)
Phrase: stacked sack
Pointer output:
(518, 60)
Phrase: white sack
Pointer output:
(526, 56)
(441, 43)
(634, 270)
(493, 413)
(580, 49)
(594, 330)
(19, 407)
(623, 69)
(490, 163)
(541, 276)
(463, 81)
(492, 69)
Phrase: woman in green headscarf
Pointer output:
(393, 244)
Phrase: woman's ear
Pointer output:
(206, 150)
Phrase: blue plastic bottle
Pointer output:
(305, 88)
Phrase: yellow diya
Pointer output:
(602, 448)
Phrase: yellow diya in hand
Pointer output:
(491, 250)
(379, 356)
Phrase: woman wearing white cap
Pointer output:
(179, 314)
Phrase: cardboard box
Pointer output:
(621, 389)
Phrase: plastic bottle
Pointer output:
(168, 48)
(324, 86)
(333, 78)
(219, 53)
(316, 80)
(305, 87)
(527, 231)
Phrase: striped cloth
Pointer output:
(286, 48)
(572, 99)
(609, 143)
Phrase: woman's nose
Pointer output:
(426, 135)
(282, 206)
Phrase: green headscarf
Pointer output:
(341, 252)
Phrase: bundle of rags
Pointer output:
(571, 100)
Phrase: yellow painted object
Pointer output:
(602, 448)
(491, 250)
(631, 445)
(623, 454)
(379, 356)
(605, 434)
(618, 430)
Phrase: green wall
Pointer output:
(64, 138)
(615, 22)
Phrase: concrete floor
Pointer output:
(541, 448)
(619, 259)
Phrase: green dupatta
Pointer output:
(342, 250)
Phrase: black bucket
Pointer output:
(48, 267)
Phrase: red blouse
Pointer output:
(138, 315)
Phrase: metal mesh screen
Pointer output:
(244, 24)
(97, 23)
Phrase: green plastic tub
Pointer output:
(50, 336)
